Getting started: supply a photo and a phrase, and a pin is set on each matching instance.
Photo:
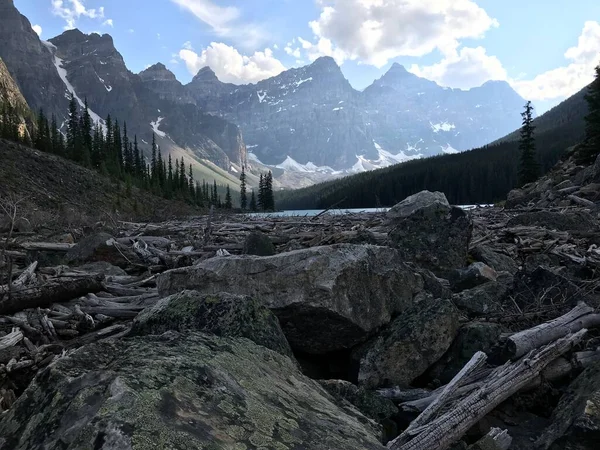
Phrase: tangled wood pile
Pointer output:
(46, 309)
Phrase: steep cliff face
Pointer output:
(310, 114)
(30, 62)
(311, 119)
(151, 102)
(9, 91)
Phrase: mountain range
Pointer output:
(307, 124)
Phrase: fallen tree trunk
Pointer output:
(54, 290)
(582, 316)
(502, 383)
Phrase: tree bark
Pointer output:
(582, 316)
(54, 290)
(502, 383)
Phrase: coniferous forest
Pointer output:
(109, 150)
(480, 176)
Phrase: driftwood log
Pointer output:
(502, 383)
(582, 316)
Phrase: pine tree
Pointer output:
(86, 131)
(192, 184)
(170, 173)
(73, 130)
(228, 202)
(160, 168)
(590, 149)
(55, 136)
(253, 206)
(139, 165)
(154, 162)
(215, 197)
(127, 151)
(243, 193)
(41, 138)
(529, 169)
(183, 184)
(261, 193)
(269, 198)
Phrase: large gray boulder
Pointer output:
(576, 419)
(326, 298)
(408, 346)
(221, 314)
(430, 232)
(176, 391)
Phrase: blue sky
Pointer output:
(546, 49)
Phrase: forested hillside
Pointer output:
(483, 175)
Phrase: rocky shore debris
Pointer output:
(427, 327)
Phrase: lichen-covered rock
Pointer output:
(428, 231)
(374, 406)
(576, 419)
(472, 338)
(497, 261)
(174, 391)
(258, 244)
(326, 298)
(221, 314)
(475, 275)
(409, 345)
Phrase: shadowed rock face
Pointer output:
(173, 391)
(30, 63)
(428, 231)
(98, 73)
(408, 345)
(326, 298)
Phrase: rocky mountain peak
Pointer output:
(158, 72)
(29, 62)
(205, 74)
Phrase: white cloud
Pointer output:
(324, 47)
(276, 47)
(375, 31)
(567, 80)
(295, 52)
(225, 21)
(108, 23)
(463, 69)
(174, 61)
(37, 29)
(188, 45)
(72, 10)
(232, 67)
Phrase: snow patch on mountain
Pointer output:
(292, 165)
(385, 159)
(62, 73)
(155, 126)
(444, 126)
(108, 88)
(298, 83)
(449, 150)
(262, 95)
